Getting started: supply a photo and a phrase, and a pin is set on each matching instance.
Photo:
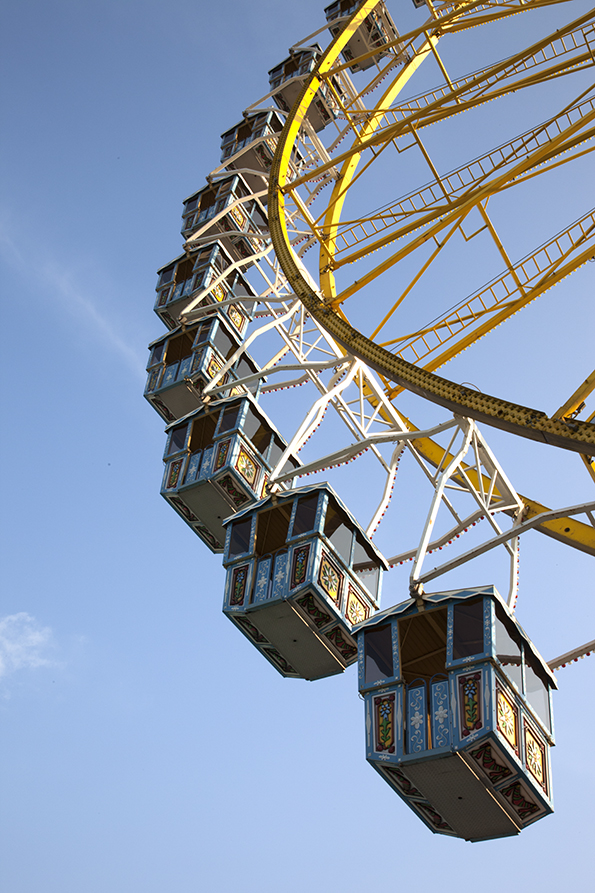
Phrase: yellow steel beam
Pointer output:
(348, 169)
(575, 435)
(421, 109)
(444, 215)
(577, 399)
(455, 323)
(432, 195)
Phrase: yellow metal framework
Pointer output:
(433, 214)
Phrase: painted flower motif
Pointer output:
(236, 317)
(213, 367)
(192, 467)
(506, 719)
(470, 688)
(239, 217)
(417, 720)
(355, 610)
(385, 709)
(440, 715)
(534, 757)
(330, 580)
(246, 467)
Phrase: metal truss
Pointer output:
(306, 352)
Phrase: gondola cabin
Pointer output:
(225, 211)
(189, 276)
(375, 32)
(300, 573)
(250, 146)
(458, 712)
(287, 79)
(182, 362)
(218, 460)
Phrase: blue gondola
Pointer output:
(243, 217)
(287, 79)
(300, 573)
(218, 459)
(186, 276)
(182, 362)
(255, 138)
(377, 30)
(458, 712)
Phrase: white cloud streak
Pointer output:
(24, 644)
(61, 283)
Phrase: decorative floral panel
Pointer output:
(520, 800)
(154, 379)
(206, 466)
(440, 714)
(174, 474)
(208, 536)
(162, 408)
(257, 244)
(239, 217)
(346, 649)
(494, 770)
(196, 360)
(215, 366)
(263, 157)
(236, 317)
(299, 565)
(535, 757)
(170, 374)
(247, 467)
(330, 579)
(280, 575)
(219, 292)
(238, 497)
(168, 319)
(265, 480)
(384, 723)
(185, 367)
(357, 610)
(417, 719)
(263, 575)
(430, 813)
(309, 604)
(471, 713)
(507, 718)
(183, 509)
(193, 468)
(254, 634)
(279, 660)
(221, 455)
(239, 578)
(401, 781)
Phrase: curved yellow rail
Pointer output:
(521, 420)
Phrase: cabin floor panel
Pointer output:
(295, 639)
(463, 801)
(179, 400)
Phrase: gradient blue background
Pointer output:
(145, 745)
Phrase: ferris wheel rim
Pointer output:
(570, 434)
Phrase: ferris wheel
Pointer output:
(316, 255)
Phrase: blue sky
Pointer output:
(146, 745)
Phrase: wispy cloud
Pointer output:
(24, 644)
(61, 282)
